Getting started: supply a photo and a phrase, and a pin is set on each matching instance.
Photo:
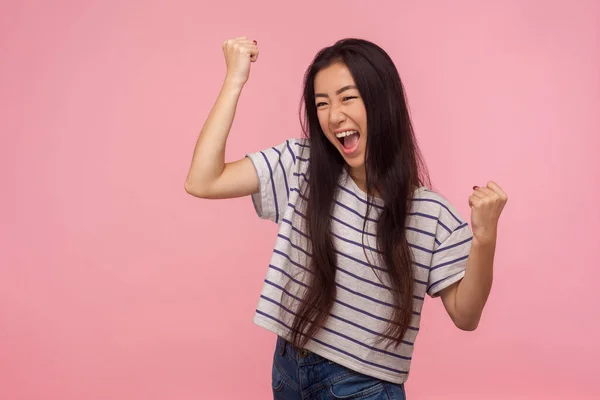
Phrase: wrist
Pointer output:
(484, 242)
(232, 84)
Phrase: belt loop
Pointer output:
(282, 344)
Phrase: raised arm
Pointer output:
(209, 176)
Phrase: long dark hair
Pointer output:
(394, 169)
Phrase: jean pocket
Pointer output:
(357, 386)
(276, 379)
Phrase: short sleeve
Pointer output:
(275, 169)
(449, 258)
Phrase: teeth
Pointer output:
(346, 133)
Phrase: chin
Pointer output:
(357, 162)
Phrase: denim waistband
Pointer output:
(301, 356)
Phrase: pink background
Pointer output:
(116, 284)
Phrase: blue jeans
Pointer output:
(302, 375)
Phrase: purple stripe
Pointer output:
(293, 245)
(277, 304)
(375, 205)
(360, 199)
(302, 159)
(283, 290)
(330, 346)
(360, 310)
(294, 208)
(461, 226)
(420, 231)
(450, 262)
(346, 256)
(273, 187)
(287, 188)
(444, 226)
(331, 216)
(355, 212)
(301, 174)
(442, 280)
(424, 233)
(359, 294)
(371, 298)
(360, 261)
(336, 201)
(365, 345)
(352, 242)
(453, 246)
(287, 221)
(441, 204)
(365, 312)
(288, 275)
(406, 342)
(341, 334)
(335, 316)
(359, 359)
(301, 145)
(337, 301)
(273, 318)
(356, 243)
(350, 290)
(343, 270)
(421, 265)
(423, 215)
(347, 305)
(379, 285)
(354, 228)
(351, 227)
(281, 253)
(414, 246)
(331, 315)
(287, 142)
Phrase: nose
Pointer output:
(336, 115)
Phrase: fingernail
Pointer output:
(475, 187)
(255, 42)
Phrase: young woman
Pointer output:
(362, 238)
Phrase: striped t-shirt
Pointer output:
(438, 237)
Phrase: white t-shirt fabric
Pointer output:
(439, 239)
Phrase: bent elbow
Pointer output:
(194, 190)
(467, 325)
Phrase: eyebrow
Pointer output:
(337, 92)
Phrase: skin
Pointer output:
(209, 177)
(339, 107)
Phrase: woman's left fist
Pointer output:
(486, 205)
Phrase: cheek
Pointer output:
(323, 122)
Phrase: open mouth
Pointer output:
(349, 140)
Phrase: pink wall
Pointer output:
(116, 284)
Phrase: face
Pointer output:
(342, 114)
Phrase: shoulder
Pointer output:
(299, 150)
(299, 147)
(431, 202)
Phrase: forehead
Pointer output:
(330, 79)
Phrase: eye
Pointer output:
(349, 98)
(321, 104)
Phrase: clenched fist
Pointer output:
(486, 205)
(239, 53)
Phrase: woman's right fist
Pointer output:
(239, 53)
